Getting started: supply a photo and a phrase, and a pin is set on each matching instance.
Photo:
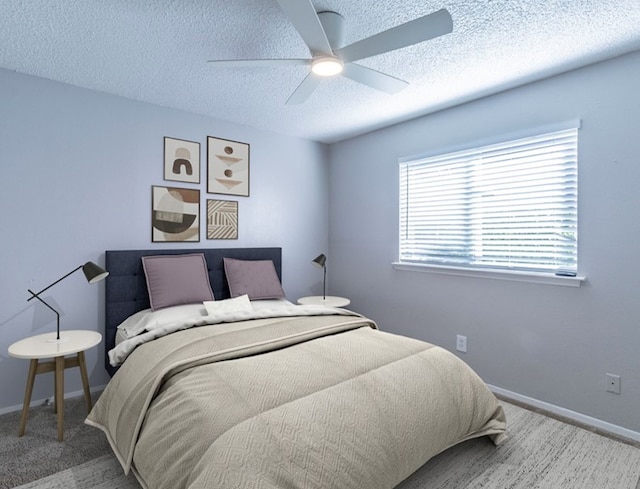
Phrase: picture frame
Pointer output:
(222, 219)
(228, 164)
(175, 214)
(181, 160)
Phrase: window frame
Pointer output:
(542, 277)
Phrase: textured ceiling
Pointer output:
(156, 51)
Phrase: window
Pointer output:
(506, 206)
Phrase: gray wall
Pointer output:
(551, 343)
(77, 170)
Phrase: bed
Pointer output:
(254, 391)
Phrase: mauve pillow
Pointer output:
(256, 278)
(177, 279)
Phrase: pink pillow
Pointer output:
(256, 278)
(176, 279)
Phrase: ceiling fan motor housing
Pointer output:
(332, 23)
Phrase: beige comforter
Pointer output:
(297, 402)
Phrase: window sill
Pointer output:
(532, 277)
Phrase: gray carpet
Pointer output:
(38, 453)
(541, 453)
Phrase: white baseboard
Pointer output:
(583, 419)
(40, 402)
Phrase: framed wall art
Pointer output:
(227, 167)
(222, 219)
(181, 160)
(175, 214)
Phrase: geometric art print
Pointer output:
(181, 160)
(222, 219)
(175, 214)
(227, 167)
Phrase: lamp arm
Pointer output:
(36, 294)
(33, 294)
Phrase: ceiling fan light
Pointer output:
(327, 66)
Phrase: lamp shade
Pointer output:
(93, 272)
(320, 260)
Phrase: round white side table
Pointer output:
(36, 348)
(330, 300)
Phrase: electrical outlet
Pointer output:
(613, 383)
(461, 343)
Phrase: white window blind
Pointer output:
(511, 205)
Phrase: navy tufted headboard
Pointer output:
(126, 288)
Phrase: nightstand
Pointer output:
(44, 346)
(330, 300)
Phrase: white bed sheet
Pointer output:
(147, 319)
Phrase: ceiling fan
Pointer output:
(322, 33)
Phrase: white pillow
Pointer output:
(148, 319)
(229, 306)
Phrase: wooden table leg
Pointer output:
(59, 396)
(33, 367)
(55, 389)
(82, 364)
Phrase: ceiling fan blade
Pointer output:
(374, 79)
(257, 63)
(304, 18)
(415, 31)
(303, 91)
